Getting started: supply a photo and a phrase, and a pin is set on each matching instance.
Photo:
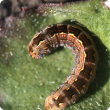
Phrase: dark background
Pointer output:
(8, 7)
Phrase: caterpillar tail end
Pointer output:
(50, 104)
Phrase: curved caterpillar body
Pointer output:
(82, 45)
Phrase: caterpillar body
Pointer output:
(83, 72)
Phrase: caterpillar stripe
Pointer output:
(82, 74)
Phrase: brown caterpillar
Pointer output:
(83, 73)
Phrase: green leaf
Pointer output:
(25, 82)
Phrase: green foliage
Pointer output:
(25, 82)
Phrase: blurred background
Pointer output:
(8, 7)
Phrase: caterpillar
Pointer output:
(83, 72)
